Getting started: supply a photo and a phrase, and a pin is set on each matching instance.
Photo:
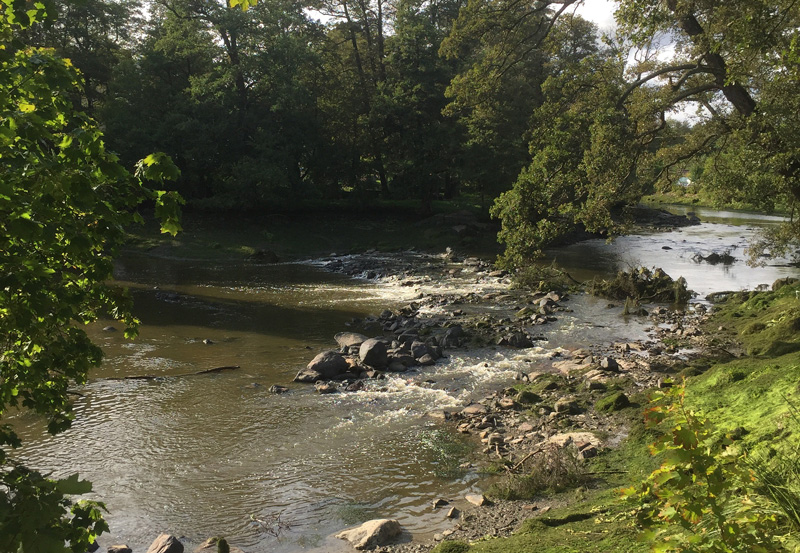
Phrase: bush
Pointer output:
(552, 470)
(703, 497)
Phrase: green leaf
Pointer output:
(72, 486)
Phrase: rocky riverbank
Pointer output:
(575, 406)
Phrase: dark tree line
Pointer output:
(268, 107)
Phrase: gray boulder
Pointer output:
(373, 353)
(348, 339)
(372, 533)
(326, 365)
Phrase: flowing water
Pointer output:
(217, 454)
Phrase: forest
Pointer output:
(288, 105)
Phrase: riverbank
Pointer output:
(324, 462)
(742, 372)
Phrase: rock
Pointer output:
(373, 353)
(264, 256)
(211, 545)
(474, 409)
(440, 503)
(516, 340)
(453, 513)
(563, 440)
(356, 386)
(427, 360)
(569, 365)
(479, 500)
(278, 389)
(595, 386)
(419, 349)
(526, 397)
(348, 339)
(165, 544)
(372, 533)
(119, 549)
(587, 452)
(780, 283)
(207, 342)
(507, 403)
(566, 405)
(328, 364)
(609, 364)
(495, 439)
(109, 329)
(613, 402)
(326, 388)
(525, 427)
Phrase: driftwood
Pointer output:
(159, 376)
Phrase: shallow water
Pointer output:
(217, 454)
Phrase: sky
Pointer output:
(601, 12)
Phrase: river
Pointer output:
(217, 454)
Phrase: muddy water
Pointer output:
(218, 455)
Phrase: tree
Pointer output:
(64, 202)
(735, 61)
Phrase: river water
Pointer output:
(218, 454)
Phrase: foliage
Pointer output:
(551, 470)
(643, 284)
(703, 496)
(64, 200)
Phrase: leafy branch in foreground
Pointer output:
(64, 203)
(703, 497)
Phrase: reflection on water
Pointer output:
(219, 455)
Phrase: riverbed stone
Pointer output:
(612, 402)
(474, 409)
(165, 543)
(121, 548)
(419, 349)
(609, 364)
(566, 405)
(427, 360)
(477, 499)
(328, 364)
(350, 339)
(278, 389)
(373, 353)
(372, 533)
(211, 545)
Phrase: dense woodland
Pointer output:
(518, 105)
(270, 108)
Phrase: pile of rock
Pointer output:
(360, 357)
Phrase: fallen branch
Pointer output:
(528, 456)
(158, 376)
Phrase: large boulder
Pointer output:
(373, 353)
(347, 339)
(165, 544)
(372, 533)
(326, 365)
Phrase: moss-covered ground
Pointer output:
(755, 398)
